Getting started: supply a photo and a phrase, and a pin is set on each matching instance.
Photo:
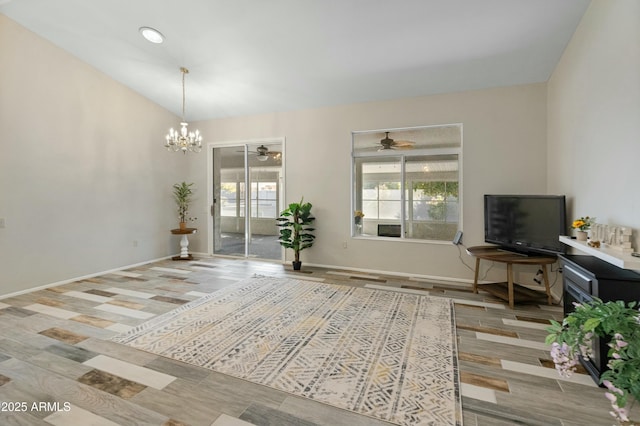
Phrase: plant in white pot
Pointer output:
(182, 193)
(296, 229)
(583, 224)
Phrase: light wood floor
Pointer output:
(55, 352)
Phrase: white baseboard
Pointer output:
(84, 277)
(414, 277)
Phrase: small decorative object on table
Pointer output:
(617, 323)
(617, 237)
(582, 224)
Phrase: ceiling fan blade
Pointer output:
(403, 143)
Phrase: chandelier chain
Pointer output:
(184, 72)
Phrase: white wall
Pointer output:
(83, 173)
(504, 151)
(82, 169)
(594, 116)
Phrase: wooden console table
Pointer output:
(184, 243)
(509, 291)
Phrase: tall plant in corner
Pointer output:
(296, 229)
(182, 193)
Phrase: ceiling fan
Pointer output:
(263, 153)
(388, 143)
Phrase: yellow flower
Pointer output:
(583, 223)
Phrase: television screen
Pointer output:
(525, 223)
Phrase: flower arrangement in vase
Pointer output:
(582, 224)
(619, 324)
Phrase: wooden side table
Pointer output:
(510, 291)
(184, 243)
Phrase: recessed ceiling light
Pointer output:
(151, 34)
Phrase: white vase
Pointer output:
(581, 235)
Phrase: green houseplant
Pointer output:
(182, 193)
(619, 324)
(296, 229)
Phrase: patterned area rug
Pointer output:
(385, 354)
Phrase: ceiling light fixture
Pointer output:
(263, 153)
(183, 141)
(151, 34)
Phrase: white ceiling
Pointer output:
(257, 56)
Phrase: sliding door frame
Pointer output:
(241, 144)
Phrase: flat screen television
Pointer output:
(525, 223)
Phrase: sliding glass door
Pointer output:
(246, 187)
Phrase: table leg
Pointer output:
(510, 284)
(475, 278)
(184, 246)
(545, 276)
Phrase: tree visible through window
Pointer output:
(437, 201)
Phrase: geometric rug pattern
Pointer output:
(385, 354)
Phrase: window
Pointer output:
(381, 188)
(408, 179)
(264, 199)
(229, 194)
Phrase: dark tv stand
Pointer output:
(586, 277)
(510, 291)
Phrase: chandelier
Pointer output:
(183, 140)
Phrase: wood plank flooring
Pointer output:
(58, 367)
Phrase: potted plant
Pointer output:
(295, 224)
(619, 324)
(182, 194)
(582, 225)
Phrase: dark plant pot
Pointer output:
(296, 265)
